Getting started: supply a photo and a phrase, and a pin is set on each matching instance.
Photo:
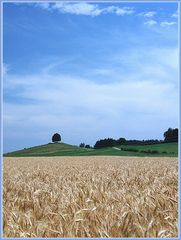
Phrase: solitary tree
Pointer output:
(56, 137)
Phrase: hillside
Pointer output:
(51, 149)
(62, 149)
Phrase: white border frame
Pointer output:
(1, 100)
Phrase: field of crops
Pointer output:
(90, 197)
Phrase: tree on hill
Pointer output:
(56, 138)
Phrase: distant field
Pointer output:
(98, 196)
(62, 149)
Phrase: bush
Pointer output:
(143, 151)
(154, 152)
(129, 149)
(87, 146)
(82, 145)
(150, 151)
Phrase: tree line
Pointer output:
(171, 135)
(110, 142)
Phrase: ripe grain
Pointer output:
(90, 197)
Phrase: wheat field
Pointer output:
(90, 197)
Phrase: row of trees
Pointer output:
(171, 135)
(83, 145)
(110, 142)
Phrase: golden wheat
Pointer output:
(90, 197)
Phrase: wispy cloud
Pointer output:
(167, 24)
(83, 8)
(150, 23)
(5, 69)
(148, 14)
(83, 108)
(175, 15)
(111, 81)
(44, 5)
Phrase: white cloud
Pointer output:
(167, 24)
(118, 10)
(150, 23)
(148, 14)
(84, 8)
(105, 72)
(175, 15)
(77, 8)
(85, 111)
(5, 69)
(43, 5)
(135, 104)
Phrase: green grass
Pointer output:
(62, 149)
(51, 149)
(168, 147)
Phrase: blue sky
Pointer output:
(89, 71)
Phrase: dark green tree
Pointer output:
(87, 146)
(82, 145)
(56, 138)
(171, 135)
(121, 141)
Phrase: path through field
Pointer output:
(90, 197)
(117, 148)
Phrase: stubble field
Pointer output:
(90, 197)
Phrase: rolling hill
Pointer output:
(63, 149)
